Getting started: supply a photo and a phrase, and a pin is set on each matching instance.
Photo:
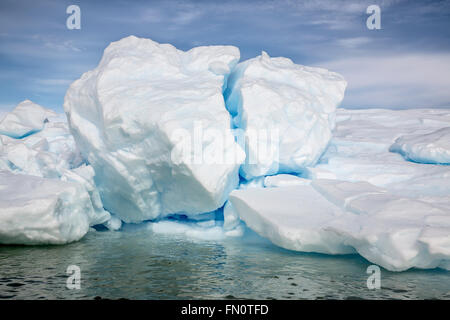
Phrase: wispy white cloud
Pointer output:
(53, 82)
(353, 42)
(414, 80)
(66, 45)
(172, 14)
(38, 45)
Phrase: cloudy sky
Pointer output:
(405, 64)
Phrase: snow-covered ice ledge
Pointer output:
(340, 217)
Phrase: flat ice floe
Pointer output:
(36, 210)
(339, 217)
(294, 218)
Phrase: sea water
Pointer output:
(137, 263)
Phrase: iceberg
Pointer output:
(433, 147)
(152, 122)
(35, 210)
(393, 212)
(361, 151)
(183, 138)
(45, 152)
(395, 232)
(84, 175)
(341, 217)
(283, 112)
(232, 224)
(37, 164)
(294, 218)
(26, 118)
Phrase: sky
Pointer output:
(405, 64)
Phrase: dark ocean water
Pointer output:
(139, 264)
